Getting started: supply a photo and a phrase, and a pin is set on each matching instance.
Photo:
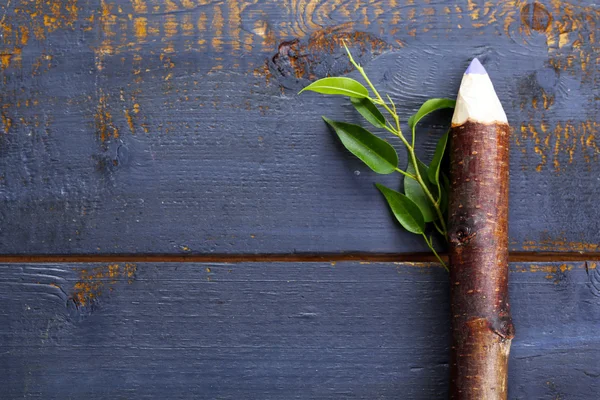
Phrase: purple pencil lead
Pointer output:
(476, 68)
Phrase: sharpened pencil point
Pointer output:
(476, 68)
(477, 100)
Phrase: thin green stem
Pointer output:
(439, 190)
(405, 173)
(398, 128)
(437, 228)
(392, 103)
(374, 90)
(365, 77)
(430, 245)
(396, 133)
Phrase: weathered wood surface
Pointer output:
(278, 331)
(173, 126)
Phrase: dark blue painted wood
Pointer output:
(278, 331)
(172, 127)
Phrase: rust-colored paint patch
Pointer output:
(6, 122)
(41, 63)
(107, 21)
(420, 266)
(235, 23)
(93, 282)
(554, 273)
(170, 6)
(187, 25)
(217, 24)
(548, 269)
(105, 127)
(263, 30)
(39, 17)
(171, 26)
(9, 56)
(24, 35)
(141, 28)
(536, 16)
(129, 119)
(559, 245)
(556, 147)
(5, 59)
(301, 59)
(139, 6)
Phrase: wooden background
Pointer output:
(176, 222)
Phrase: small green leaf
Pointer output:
(434, 167)
(415, 192)
(404, 209)
(342, 86)
(428, 107)
(378, 154)
(369, 110)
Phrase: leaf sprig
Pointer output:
(425, 198)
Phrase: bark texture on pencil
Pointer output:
(478, 233)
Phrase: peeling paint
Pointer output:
(301, 59)
(94, 282)
(141, 28)
(6, 122)
(559, 144)
(543, 268)
(558, 245)
(105, 128)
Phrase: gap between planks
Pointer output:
(239, 258)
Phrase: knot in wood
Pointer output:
(461, 235)
(504, 327)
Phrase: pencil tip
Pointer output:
(476, 68)
(477, 100)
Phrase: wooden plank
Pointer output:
(173, 127)
(278, 331)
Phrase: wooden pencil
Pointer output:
(478, 233)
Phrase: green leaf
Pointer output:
(342, 86)
(434, 167)
(404, 209)
(445, 188)
(378, 154)
(415, 192)
(428, 107)
(446, 182)
(369, 110)
(444, 200)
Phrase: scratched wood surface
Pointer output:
(278, 331)
(173, 126)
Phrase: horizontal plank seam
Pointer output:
(238, 258)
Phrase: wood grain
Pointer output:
(278, 331)
(173, 127)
